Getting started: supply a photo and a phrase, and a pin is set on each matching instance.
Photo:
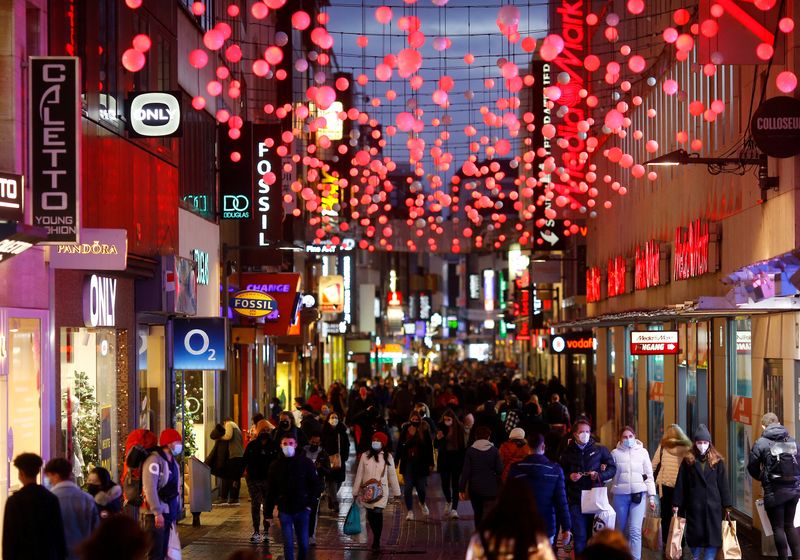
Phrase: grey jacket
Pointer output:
(482, 470)
(78, 513)
(155, 475)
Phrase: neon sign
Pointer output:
(593, 284)
(647, 261)
(617, 269)
(691, 251)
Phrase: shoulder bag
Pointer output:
(372, 490)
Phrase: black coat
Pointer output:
(591, 458)
(702, 493)
(415, 454)
(293, 484)
(32, 526)
(775, 492)
(258, 458)
(335, 440)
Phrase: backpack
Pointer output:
(781, 462)
(138, 446)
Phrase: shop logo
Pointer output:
(100, 301)
(573, 343)
(203, 270)
(11, 197)
(154, 114)
(235, 206)
(558, 345)
(252, 303)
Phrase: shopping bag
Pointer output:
(651, 533)
(674, 549)
(730, 544)
(174, 546)
(766, 524)
(606, 519)
(352, 523)
(595, 500)
(336, 461)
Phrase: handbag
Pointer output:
(372, 490)
(594, 500)
(336, 461)
(352, 523)
(674, 549)
(174, 545)
(651, 533)
(766, 524)
(730, 544)
(606, 519)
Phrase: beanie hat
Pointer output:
(170, 435)
(381, 437)
(517, 433)
(702, 434)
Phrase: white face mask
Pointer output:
(376, 445)
(583, 437)
(288, 450)
(702, 448)
(629, 442)
(334, 421)
(176, 449)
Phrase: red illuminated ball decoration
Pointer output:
(259, 10)
(233, 10)
(198, 8)
(635, 7)
(133, 60)
(681, 16)
(213, 39)
(198, 58)
(233, 54)
(198, 103)
(786, 81)
(383, 14)
(342, 84)
(133, 4)
(786, 24)
(301, 20)
(260, 68)
(273, 55)
(142, 43)
(275, 4)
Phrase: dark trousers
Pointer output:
(666, 511)
(159, 538)
(312, 518)
(229, 490)
(375, 520)
(294, 524)
(450, 479)
(782, 519)
(258, 500)
(581, 526)
(414, 481)
(481, 504)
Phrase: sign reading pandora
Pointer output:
(99, 301)
(54, 145)
(154, 114)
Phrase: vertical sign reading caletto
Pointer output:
(55, 146)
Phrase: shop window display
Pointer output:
(152, 378)
(655, 400)
(740, 430)
(693, 376)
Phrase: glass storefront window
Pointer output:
(24, 389)
(152, 378)
(631, 393)
(611, 389)
(655, 399)
(740, 430)
(693, 376)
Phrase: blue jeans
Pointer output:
(630, 518)
(414, 481)
(292, 523)
(710, 553)
(581, 526)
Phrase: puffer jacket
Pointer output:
(634, 470)
(590, 457)
(775, 492)
(670, 459)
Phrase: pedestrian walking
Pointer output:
(32, 524)
(293, 486)
(451, 446)
(701, 491)
(231, 445)
(556, 414)
(586, 465)
(162, 484)
(376, 465)
(546, 481)
(107, 494)
(667, 459)
(512, 530)
(480, 478)
(78, 511)
(415, 458)
(633, 488)
(337, 445)
(514, 450)
(773, 462)
(317, 455)
(119, 537)
(287, 428)
(258, 456)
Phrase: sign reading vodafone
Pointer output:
(573, 343)
(654, 342)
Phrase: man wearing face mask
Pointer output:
(161, 482)
(258, 457)
(317, 455)
(293, 485)
(586, 465)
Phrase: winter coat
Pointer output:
(415, 454)
(482, 470)
(217, 458)
(634, 470)
(670, 459)
(591, 458)
(258, 458)
(78, 514)
(702, 493)
(369, 468)
(546, 480)
(293, 484)
(109, 502)
(511, 453)
(776, 492)
(155, 476)
(556, 413)
(335, 440)
(233, 435)
(32, 526)
(450, 460)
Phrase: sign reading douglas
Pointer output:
(55, 145)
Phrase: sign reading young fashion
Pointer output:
(54, 121)
(198, 343)
(573, 343)
(99, 301)
(101, 249)
(154, 114)
(654, 342)
(12, 197)
(690, 257)
(775, 127)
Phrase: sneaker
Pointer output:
(265, 537)
(410, 516)
(425, 511)
(453, 514)
(312, 541)
(447, 507)
(255, 538)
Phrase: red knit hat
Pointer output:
(168, 436)
(381, 437)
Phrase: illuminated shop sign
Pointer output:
(654, 342)
(647, 265)
(329, 201)
(12, 197)
(334, 126)
(199, 343)
(690, 257)
(99, 301)
(235, 207)
(347, 273)
(743, 342)
(268, 206)
(326, 247)
(283, 288)
(54, 122)
(573, 343)
(18, 238)
(153, 114)
(617, 269)
(424, 306)
(488, 290)
(203, 270)
(101, 249)
(331, 294)
(253, 303)
(474, 286)
(593, 275)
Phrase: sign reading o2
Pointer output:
(198, 343)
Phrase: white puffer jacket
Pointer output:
(670, 459)
(633, 465)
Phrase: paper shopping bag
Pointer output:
(606, 519)
(352, 523)
(595, 500)
(674, 549)
(174, 545)
(766, 524)
(651, 533)
(730, 544)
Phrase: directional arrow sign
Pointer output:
(550, 237)
(654, 342)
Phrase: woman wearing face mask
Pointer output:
(415, 458)
(451, 444)
(107, 493)
(667, 459)
(633, 488)
(377, 463)
(337, 445)
(701, 491)
(287, 427)
(258, 456)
